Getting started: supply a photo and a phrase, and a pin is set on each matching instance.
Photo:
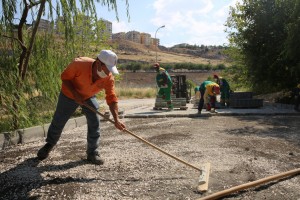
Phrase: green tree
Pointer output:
(258, 30)
(292, 43)
(24, 41)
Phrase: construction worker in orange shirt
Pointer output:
(82, 79)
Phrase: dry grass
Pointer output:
(163, 57)
(128, 50)
(135, 93)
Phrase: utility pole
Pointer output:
(156, 43)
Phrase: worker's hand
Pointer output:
(119, 125)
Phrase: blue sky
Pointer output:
(186, 21)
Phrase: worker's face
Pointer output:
(102, 67)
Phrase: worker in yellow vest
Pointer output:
(208, 92)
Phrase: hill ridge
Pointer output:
(129, 51)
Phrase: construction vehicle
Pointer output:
(179, 97)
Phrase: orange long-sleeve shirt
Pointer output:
(79, 72)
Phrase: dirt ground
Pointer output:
(240, 149)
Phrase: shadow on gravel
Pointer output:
(283, 127)
(18, 182)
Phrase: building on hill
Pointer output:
(145, 38)
(120, 35)
(154, 41)
(106, 26)
(137, 37)
(44, 25)
(133, 36)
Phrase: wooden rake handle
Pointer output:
(226, 192)
(143, 140)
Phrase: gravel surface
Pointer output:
(240, 149)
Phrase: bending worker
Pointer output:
(224, 89)
(82, 79)
(208, 92)
(164, 82)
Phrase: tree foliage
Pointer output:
(266, 34)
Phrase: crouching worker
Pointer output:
(208, 95)
(164, 82)
(81, 81)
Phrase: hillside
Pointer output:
(130, 51)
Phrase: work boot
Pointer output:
(43, 153)
(95, 158)
(199, 112)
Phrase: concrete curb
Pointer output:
(208, 115)
(10, 138)
(35, 133)
(271, 109)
